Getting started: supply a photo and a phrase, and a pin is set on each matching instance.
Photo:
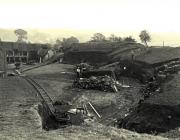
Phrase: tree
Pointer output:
(98, 37)
(58, 41)
(129, 39)
(58, 45)
(114, 38)
(21, 34)
(69, 41)
(145, 37)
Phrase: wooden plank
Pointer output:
(94, 110)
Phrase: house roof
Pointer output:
(43, 51)
(21, 46)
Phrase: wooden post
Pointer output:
(40, 60)
(27, 57)
(5, 63)
(14, 56)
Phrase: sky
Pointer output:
(82, 17)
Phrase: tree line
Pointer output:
(144, 37)
(97, 37)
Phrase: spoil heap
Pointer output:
(104, 83)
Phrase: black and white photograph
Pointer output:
(89, 70)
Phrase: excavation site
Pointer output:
(119, 90)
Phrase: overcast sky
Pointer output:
(122, 17)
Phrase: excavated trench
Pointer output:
(149, 116)
(158, 113)
(47, 120)
(50, 122)
(145, 118)
(152, 119)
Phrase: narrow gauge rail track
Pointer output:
(42, 93)
(34, 67)
(62, 120)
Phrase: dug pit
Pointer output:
(159, 113)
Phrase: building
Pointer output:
(45, 53)
(21, 52)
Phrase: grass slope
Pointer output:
(156, 55)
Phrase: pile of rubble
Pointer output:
(103, 83)
(150, 88)
(163, 72)
(169, 68)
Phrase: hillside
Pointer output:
(94, 46)
(156, 55)
(102, 52)
(125, 51)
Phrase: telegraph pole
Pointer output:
(5, 62)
